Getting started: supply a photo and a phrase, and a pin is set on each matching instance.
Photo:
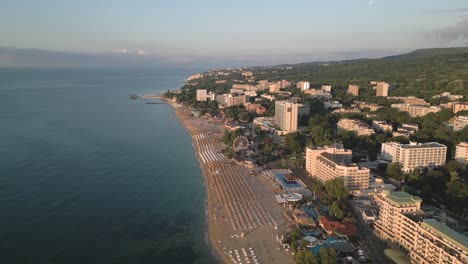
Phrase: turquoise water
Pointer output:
(89, 176)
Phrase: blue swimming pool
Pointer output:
(280, 178)
(310, 211)
(330, 240)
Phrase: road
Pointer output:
(369, 242)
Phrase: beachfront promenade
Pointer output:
(242, 214)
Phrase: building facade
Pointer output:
(382, 89)
(416, 110)
(353, 89)
(326, 88)
(303, 86)
(461, 153)
(286, 115)
(382, 126)
(359, 127)
(458, 123)
(426, 241)
(330, 162)
(202, 95)
(411, 100)
(414, 155)
(457, 107)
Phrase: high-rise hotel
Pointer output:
(426, 241)
(414, 155)
(330, 162)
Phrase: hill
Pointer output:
(422, 73)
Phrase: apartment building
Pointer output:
(411, 100)
(416, 110)
(357, 126)
(406, 130)
(414, 155)
(461, 153)
(458, 123)
(318, 93)
(353, 89)
(330, 162)
(245, 87)
(332, 104)
(457, 107)
(326, 88)
(303, 86)
(202, 95)
(426, 241)
(229, 100)
(382, 126)
(381, 89)
(263, 84)
(284, 84)
(448, 95)
(346, 111)
(274, 88)
(361, 105)
(286, 115)
(255, 108)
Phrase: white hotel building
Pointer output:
(330, 162)
(426, 241)
(414, 155)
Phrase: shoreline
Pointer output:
(241, 212)
(210, 241)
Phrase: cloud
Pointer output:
(452, 35)
(371, 2)
(140, 52)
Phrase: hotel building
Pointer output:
(357, 126)
(414, 155)
(330, 162)
(381, 89)
(326, 88)
(274, 88)
(461, 152)
(457, 107)
(353, 89)
(416, 110)
(426, 241)
(303, 86)
(202, 95)
(286, 115)
(458, 123)
(361, 105)
(411, 100)
(382, 126)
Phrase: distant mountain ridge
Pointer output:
(423, 72)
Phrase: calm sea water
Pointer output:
(89, 176)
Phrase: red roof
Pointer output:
(344, 228)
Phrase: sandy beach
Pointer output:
(243, 218)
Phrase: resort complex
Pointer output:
(316, 174)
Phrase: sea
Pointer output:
(88, 175)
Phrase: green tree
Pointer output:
(335, 211)
(336, 189)
(394, 171)
(294, 142)
(332, 255)
(306, 257)
(324, 257)
(229, 153)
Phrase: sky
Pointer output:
(223, 32)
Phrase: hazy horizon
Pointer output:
(218, 34)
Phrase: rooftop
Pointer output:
(446, 233)
(403, 198)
